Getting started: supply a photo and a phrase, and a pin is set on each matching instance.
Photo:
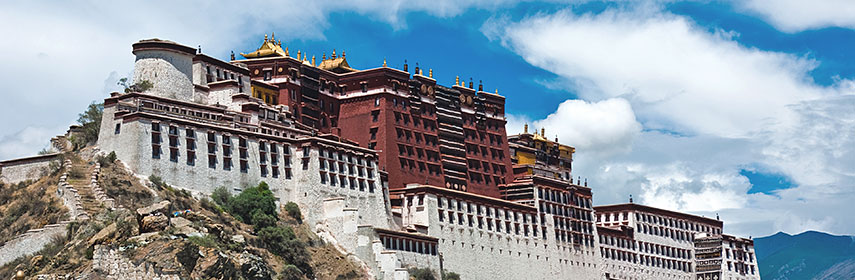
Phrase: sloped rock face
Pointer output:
(253, 267)
(153, 223)
(160, 207)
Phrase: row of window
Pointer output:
(487, 223)
(495, 139)
(741, 268)
(408, 245)
(565, 198)
(652, 261)
(571, 225)
(404, 118)
(410, 151)
(422, 167)
(406, 135)
(675, 223)
(565, 211)
(266, 151)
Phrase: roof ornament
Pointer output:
(333, 54)
(279, 43)
(233, 55)
(630, 198)
(384, 62)
(586, 182)
(417, 69)
(497, 91)
(299, 55)
(342, 53)
(324, 56)
(199, 50)
(480, 86)
(470, 83)
(265, 37)
(457, 80)
(405, 66)
(430, 72)
(525, 128)
(286, 52)
(313, 60)
(273, 37)
(716, 216)
(543, 131)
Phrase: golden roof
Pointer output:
(268, 48)
(336, 64)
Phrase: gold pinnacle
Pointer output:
(384, 62)
(430, 72)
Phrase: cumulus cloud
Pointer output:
(709, 107)
(797, 15)
(606, 126)
(60, 56)
(24, 142)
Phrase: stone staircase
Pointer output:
(88, 201)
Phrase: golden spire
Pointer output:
(430, 72)
(273, 37)
(497, 91)
(543, 132)
(324, 56)
(299, 55)
(457, 80)
(342, 53)
(265, 38)
(333, 54)
(384, 62)
(313, 60)
(525, 129)
(286, 52)
(279, 43)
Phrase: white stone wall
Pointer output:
(482, 254)
(169, 71)
(30, 242)
(14, 172)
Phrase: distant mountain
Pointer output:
(808, 255)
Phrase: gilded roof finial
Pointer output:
(313, 60)
(333, 54)
(299, 55)
(430, 72)
(265, 38)
(273, 36)
(286, 52)
(497, 91)
(342, 53)
(543, 132)
(457, 80)
(384, 62)
(280, 42)
(324, 56)
(525, 129)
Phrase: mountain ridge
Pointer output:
(807, 255)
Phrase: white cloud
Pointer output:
(799, 15)
(607, 126)
(710, 107)
(60, 56)
(24, 142)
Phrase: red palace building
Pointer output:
(423, 132)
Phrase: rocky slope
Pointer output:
(156, 230)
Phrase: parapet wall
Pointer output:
(28, 168)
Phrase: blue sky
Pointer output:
(743, 108)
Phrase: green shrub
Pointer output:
(250, 199)
(290, 272)
(451, 276)
(282, 242)
(221, 196)
(261, 220)
(203, 241)
(421, 274)
(106, 161)
(294, 211)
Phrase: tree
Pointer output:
(140, 86)
(294, 211)
(90, 121)
(252, 198)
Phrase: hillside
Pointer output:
(148, 229)
(808, 255)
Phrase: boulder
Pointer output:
(103, 235)
(160, 207)
(152, 223)
(143, 238)
(253, 267)
(237, 238)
